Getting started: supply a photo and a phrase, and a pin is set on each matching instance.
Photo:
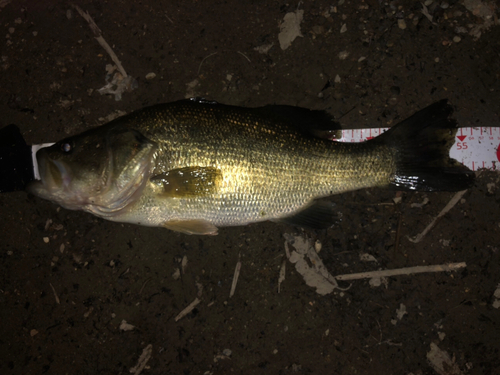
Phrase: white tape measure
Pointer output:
(475, 148)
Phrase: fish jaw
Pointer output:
(54, 183)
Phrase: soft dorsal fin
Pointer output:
(319, 124)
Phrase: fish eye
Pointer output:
(66, 147)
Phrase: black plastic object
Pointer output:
(16, 164)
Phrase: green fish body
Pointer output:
(194, 166)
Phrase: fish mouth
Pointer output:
(54, 176)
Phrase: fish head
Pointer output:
(101, 171)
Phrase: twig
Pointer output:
(188, 309)
(206, 57)
(143, 285)
(235, 277)
(282, 274)
(402, 271)
(456, 198)
(143, 360)
(98, 35)
(245, 56)
(168, 18)
(202, 61)
(55, 294)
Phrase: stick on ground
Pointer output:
(98, 35)
(235, 277)
(143, 360)
(456, 198)
(188, 309)
(55, 294)
(403, 271)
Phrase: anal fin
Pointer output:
(319, 215)
(191, 227)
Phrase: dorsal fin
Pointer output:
(314, 123)
(319, 124)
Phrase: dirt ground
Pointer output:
(72, 284)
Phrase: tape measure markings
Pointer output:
(474, 147)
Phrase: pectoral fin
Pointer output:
(191, 227)
(189, 181)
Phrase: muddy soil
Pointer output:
(72, 285)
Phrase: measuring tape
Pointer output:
(476, 148)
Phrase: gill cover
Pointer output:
(100, 171)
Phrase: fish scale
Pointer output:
(269, 180)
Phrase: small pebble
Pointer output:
(456, 39)
(343, 55)
(343, 29)
(150, 76)
(318, 246)
(46, 239)
(402, 24)
(176, 274)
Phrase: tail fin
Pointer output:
(421, 145)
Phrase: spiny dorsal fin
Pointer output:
(316, 123)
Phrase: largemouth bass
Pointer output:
(193, 166)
